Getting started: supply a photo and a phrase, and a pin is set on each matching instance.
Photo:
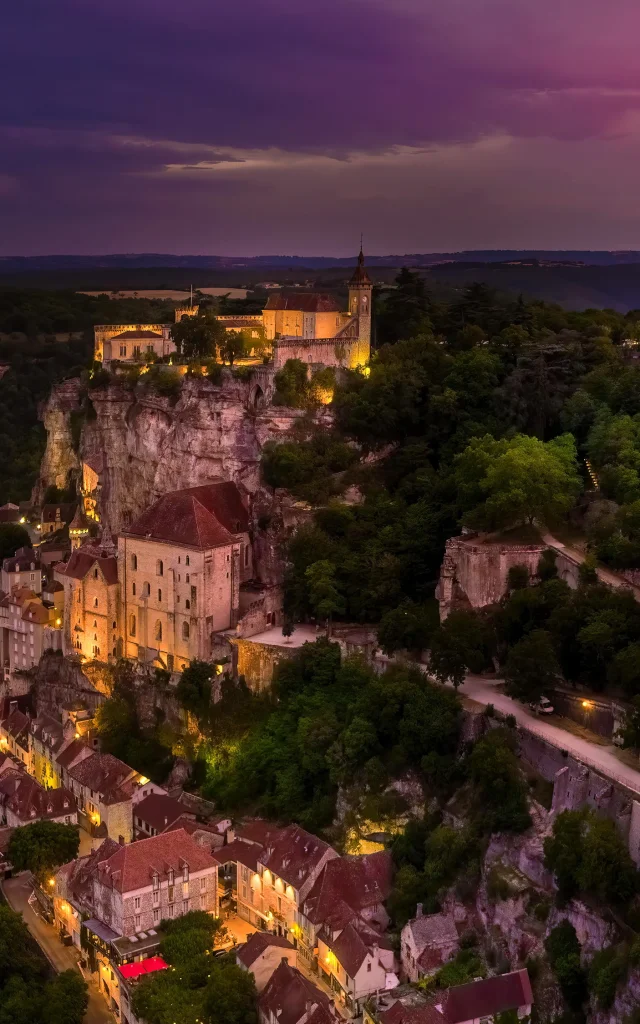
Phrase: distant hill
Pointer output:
(575, 279)
(19, 264)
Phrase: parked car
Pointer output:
(542, 707)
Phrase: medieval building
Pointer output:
(309, 326)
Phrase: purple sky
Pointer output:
(272, 126)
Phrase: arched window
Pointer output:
(95, 602)
(95, 574)
(158, 630)
(187, 578)
(114, 625)
(146, 589)
(134, 562)
(132, 626)
(185, 630)
(186, 561)
(159, 567)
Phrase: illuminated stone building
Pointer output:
(91, 603)
(180, 567)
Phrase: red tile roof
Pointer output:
(244, 853)
(32, 802)
(350, 950)
(304, 302)
(255, 830)
(287, 994)
(191, 826)
(348, 885)
(17, 726)
(74, 749)
(103, 773)
(82, 562)
(256, 945)
(420, 1014)
(201, 517)
(293, 854)
(158, 811)
(132, 335)
(133, 866)
(487, 997)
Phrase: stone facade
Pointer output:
(91, 604)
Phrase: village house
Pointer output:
(55, 517)
(47, 739)
(291, 998)
(23, 801)
(104, 787)
(121, 892)
(180, 566)
(14, 736)
(210, 835)
(355, 962)
(25, 622)
(480, 1001)
(156, 813)
(91, 604)
(426, 943)
(22, 571)
(262, 953)
(348, 888)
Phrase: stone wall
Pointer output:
(256, 661)
(475, 570)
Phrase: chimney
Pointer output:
(419, 910)
(284, 960)
(13, 706)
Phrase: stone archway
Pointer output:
(257, 398)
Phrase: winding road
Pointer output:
(601, 758)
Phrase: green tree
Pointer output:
(43, 847)
(587, 854)
(324, 596)
(459, 645)
(607, 969)
(66, 999)
(198, 336)
(405, 312)
(194, 687)
(629, 732)
(500, 789)
(563, 950)
(532, 669)
(501, 483)
(292, 384)
(407, 627)
(234, 345)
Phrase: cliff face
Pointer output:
(143, 444)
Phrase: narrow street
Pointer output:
(17, 891)
(602, 758)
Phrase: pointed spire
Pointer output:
(360, 276)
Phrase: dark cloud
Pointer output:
(99, 99)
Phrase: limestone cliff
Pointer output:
(141, 444)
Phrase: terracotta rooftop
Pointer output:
(433, 930)
(287, 994)
(246, 854)
(255, 830)
(191, 826)
(348, 885)
(418, 1014)
(102, 773)
(159, 811)
(17, 726)
(133, 335)
(304, 302)
(292, 854)
(31, 802)
(257, 943)
(350, 950)
(83, 560)
(487, 997)
(201, 517)
(133, 866)
(24, 559)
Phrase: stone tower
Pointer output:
(360, 289)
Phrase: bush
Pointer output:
(563, 950)
(607, 969)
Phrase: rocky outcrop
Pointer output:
(60, 463)
(143, 444)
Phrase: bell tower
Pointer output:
(360, 289)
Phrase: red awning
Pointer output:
(153, 963)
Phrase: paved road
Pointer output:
(602, 758)
(17, 891)
(612, 579)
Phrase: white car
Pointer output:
(543, 707)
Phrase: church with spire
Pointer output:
(313, 327)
